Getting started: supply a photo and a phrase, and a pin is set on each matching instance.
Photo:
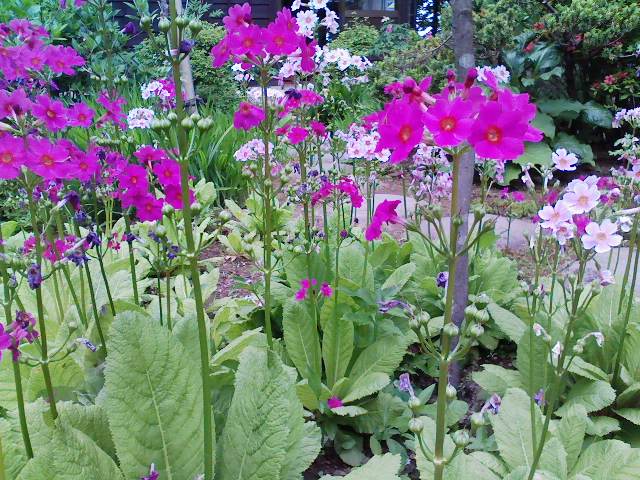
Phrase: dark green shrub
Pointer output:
(358, 37)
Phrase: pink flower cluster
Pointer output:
(309, 284)
(496, 124)
(21, 329)
(570, 216)
(250, 44)
(135, 184)
(345, 186)
(23, 53)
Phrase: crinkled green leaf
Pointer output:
(507, 322)
(153, 400)
(72, 456)
(570, 432)
(337, 347)
(265, 436)
(385, 467)
(609, 460)
(301, 338)
(593, 396)
(497, 379)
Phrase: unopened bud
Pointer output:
(414, 403)
(416, 425)
(476, 330)
(164, 25)
(461, 438)
(451, 392)
(451, 330)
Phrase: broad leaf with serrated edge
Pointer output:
(153, 400)
(265, 436)
(301, 338)
(385, 467)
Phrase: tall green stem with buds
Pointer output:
(40, 306)
(268, 213)
(192, 253)
(16, 366)
(443, 379)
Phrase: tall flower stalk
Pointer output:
(40, 306)
(17, 375)
(192, 252)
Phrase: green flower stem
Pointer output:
(159, 288)
(632, 246)
(105, 279)
(268, 192)
(555, 390)
(404, 200)
(100, 260)
(627, 315)
(532, 317)
(439, 461)
(132, 259)
(40, 307)
(192, 253)
(16, 366)
(168, 286)
(67, 276)
(92, 295)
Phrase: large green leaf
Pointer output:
(381, 357)
(593, 396)
(394, 283)
(72, 456)
(265, 436)
(535, 154)
(545, 123)
(507, 322)
(497, 379)
(301, 338)
(337, 346)
(562, 108)
(609, 460)
(534, 378)
(570, 432)
(90, 420)
(512, 431)
(597, 115)
(385, 467)
(153, 400)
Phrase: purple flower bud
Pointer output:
(186, 45)
(344, 234)
(81, 218)
(173, 252)
(442, 279)
(334, 402)
(153, 474)
(77, 256)
(73, 199)
(87, 343)
(92, 240)
(404, 384)
(130, 238)
(130, 29)
(539, 398)
(34, 276)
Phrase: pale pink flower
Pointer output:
(583, 198)
(563, 160)
(554, 217)
(601, 237)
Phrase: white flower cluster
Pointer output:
(362, 143)
(631, 116)
(308, 19)
(274, 95)
(500, 73)
(140, 118)
(251, 150)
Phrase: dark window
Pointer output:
(372, 5)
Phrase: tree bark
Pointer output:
(187, 75)
(463, 48)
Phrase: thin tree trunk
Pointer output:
(186, 74)
(463, 48)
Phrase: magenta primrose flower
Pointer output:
(248, 116)
(400, 129)
(385, 213)
(12, 156)
(52, 113)
(449, 122)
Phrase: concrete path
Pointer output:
(520, 232)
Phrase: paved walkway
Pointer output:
(520, 232)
